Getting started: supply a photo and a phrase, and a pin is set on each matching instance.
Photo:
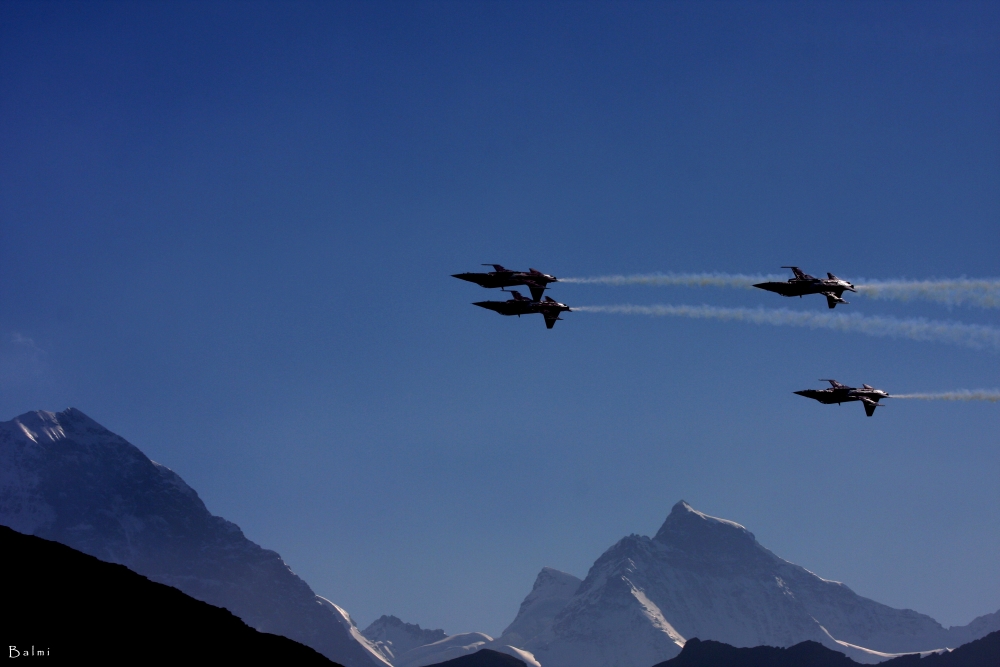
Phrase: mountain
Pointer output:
(708, 653)
(549, 595)
(705, 577)
(983, 652)
(483, 658)
(392, 637)
(66, 478)
(409, 645)
(70, 606)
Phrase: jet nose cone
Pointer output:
(801, 393)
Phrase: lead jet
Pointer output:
(831, 287)
(522, 305)
(533, 279)
(840, 393)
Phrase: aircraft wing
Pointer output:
(550, 318)
(832, 299)
(870, 405)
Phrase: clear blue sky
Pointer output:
(227, 232)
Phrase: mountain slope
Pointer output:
(66, 478)
(123, 613)
(392, 637)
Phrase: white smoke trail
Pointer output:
(984, 293)
(976, 336)
(739, 280)
(991, 395)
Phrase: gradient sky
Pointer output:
(227, 232)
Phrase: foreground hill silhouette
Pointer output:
(983, 652)
(483, 658)
(72, 606)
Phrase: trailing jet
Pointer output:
(841, 393)
(533, 279)
(831, 287)
(521, 305)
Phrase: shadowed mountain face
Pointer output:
(71, 607)
(66, 478)
(705, 577)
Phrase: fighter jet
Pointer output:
(832, 287)
(521, 305)
(533, 279)
(841, 393)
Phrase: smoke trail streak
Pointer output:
(683, 279)
(984, 293)
(991, 395)
(960, 291)
(976, 336)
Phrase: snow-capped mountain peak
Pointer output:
(706, 577)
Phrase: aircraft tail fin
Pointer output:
(796, 270)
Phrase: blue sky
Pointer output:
(227, 232)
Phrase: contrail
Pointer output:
(991, 395)
(977, 336)
(984, 293)
(740, 280)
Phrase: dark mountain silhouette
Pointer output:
(483, 658)
(983, 652)
(63, 604)
(708, 653)
(66, 478)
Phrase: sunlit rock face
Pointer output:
(66, 478)
(705, 577)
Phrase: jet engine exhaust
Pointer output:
(976, 336)
(991, 395)
(982, 293)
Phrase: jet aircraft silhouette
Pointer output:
(840, 393)
(832, 287)
(533, 279)
(522, 305)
